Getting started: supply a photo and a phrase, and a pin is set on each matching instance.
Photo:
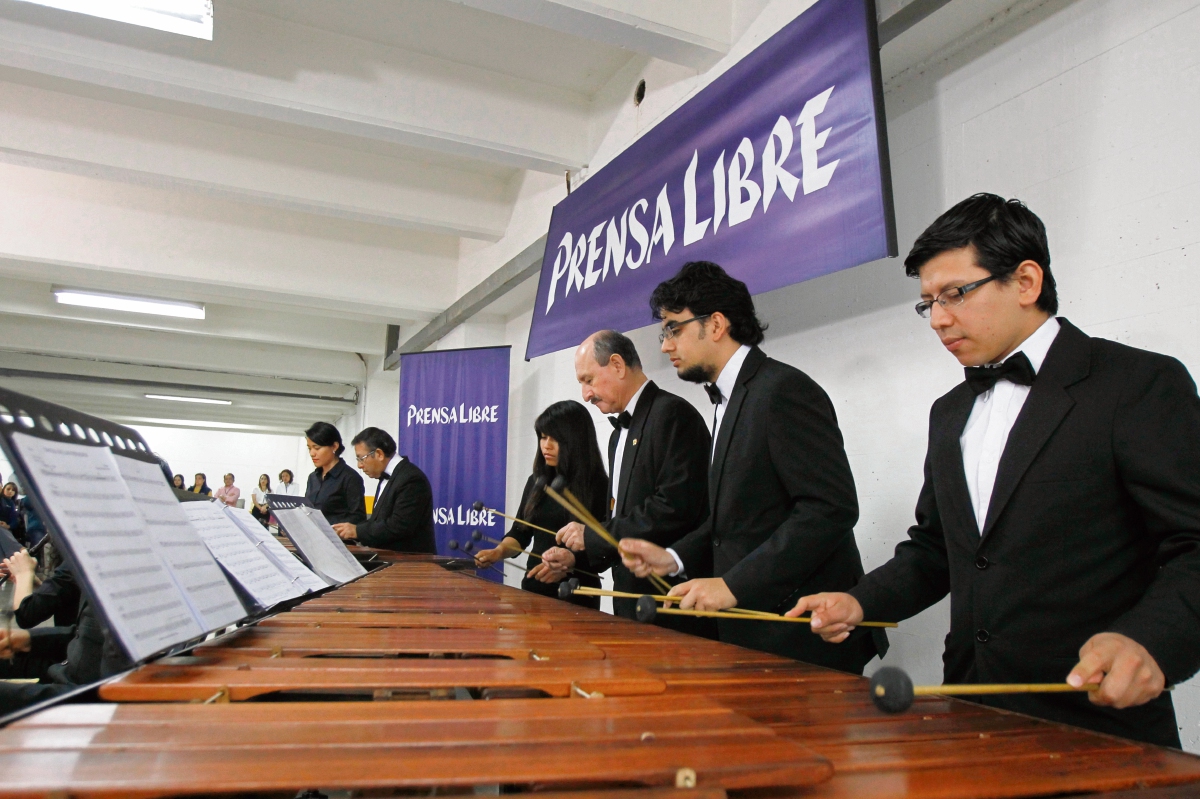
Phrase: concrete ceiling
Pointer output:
(311, 175)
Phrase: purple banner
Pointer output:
(454, 426)
(777, 170)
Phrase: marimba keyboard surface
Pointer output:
(618, 705)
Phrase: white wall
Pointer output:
(1087, 111)
(215, 452)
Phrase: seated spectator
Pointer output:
(288, 485)
(177, 482)
(10, 511)
(201, 485)
(35, 531)
(228, 493)
(260, 510)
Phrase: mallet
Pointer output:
(478, 536)
(480, 506)
(569, 587)
(892, 690)
(559, 492)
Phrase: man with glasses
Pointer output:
(1061, 505)
(402, 515)
(782, 504)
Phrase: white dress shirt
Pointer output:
(726, 381)
(992, 419)
(396, 460)
(619, 456)
(291, 489)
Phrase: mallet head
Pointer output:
(647, 611)
(566, 589)
(559, 483)
(452, 544)
(478, 504)
(476, 535)
(891, 690)
(467, 546)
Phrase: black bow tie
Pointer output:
(1016, 369)
(714, 393)
(622, 419)
(385, 476)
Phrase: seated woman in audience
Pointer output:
(260, 510)
(333, 488)
(201, 486)
(11, 518)
(566, 446)
(177, 482)
(287, 484)
(228, 494)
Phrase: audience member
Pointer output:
(228, 493)
(287, 484)
(178, 482)
(260, 510)
(201, 485)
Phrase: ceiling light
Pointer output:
(201, 400)
(117, 302)
(186, 17)
(187, 423)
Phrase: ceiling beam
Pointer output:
(280, 72)
(603, 23)
(515, 272)
(906, 18)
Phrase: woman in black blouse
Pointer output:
(566, 446)
(333, 488)
(201, 485)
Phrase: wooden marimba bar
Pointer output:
(418, 679)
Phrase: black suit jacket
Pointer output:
(402, 518)
(782, 512)
(664, 492)
(1093, 526)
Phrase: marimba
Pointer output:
(415, 679)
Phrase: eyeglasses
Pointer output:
(670, 329)
(950, 297)
(361, 458)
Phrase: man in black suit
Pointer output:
(1061, 505)
(402, 516)
(658, 464)
(782, 504)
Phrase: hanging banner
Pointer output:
(777, 171)
(454, 426)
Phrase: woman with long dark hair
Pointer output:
(333, 487)
(201, 485)
(566, 446)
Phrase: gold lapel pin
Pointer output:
(634, 442)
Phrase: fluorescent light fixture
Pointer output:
(118, 302)
(200, 400)
(189, 423)
(186, 17)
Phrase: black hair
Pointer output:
(1004, 233)
(703, 288)
(579, 462)
(608, 343)
(323, 434)
(182, 482)
(291, 476)
(376, 439)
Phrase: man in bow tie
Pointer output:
(658, 464)
(1061, 505)
(782, 504)
(402, 514)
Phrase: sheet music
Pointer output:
(233, 550)
(295, 571)
(319, 544)
(203, 583)
(93, 509)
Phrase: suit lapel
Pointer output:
(729, 420)
(612, 459)
(1048, 403)
(946, 456)
(633, 441)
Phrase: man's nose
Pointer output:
(939, 317)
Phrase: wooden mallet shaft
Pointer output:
(530, 554)
(568, 501)
(481, 506)
(892, 689)
(588, 591)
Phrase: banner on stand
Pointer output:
(454, 426)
